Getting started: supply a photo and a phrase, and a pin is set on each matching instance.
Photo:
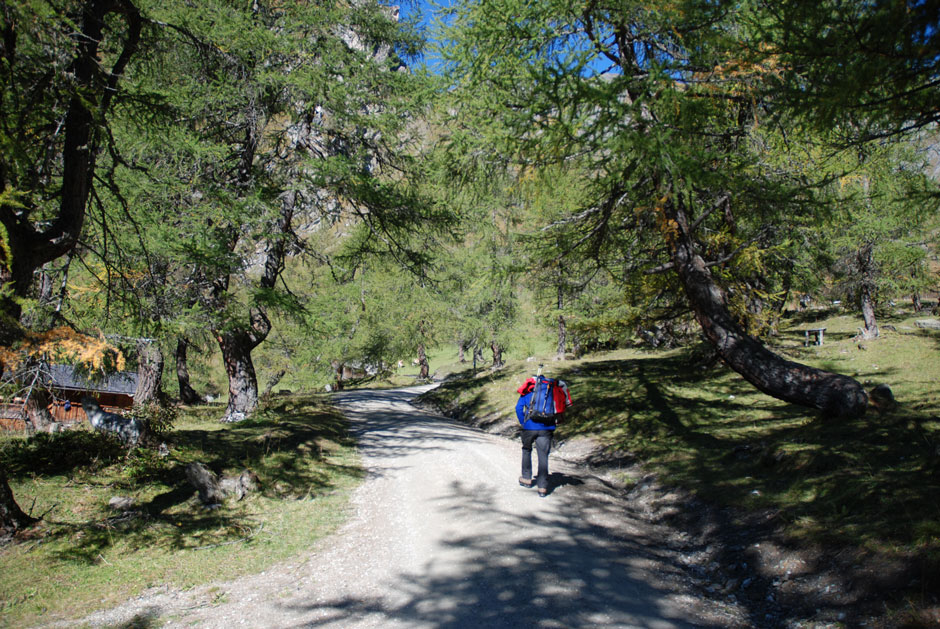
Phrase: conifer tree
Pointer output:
(656, 104)
(291, 116)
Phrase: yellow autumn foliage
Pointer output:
(93, 353)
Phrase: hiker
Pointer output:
(533, 433)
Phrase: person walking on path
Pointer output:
(533, 433)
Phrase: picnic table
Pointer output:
(816, 334)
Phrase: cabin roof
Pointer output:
(64, 377)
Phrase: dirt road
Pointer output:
(442, 535)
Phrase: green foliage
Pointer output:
(882, 203)
(159, 418)
(863, 69)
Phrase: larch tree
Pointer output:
(656, 103)
(62, 67)
(293, 114)
(882, 208)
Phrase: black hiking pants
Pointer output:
(543, 445)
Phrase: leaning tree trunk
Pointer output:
(149, 373)
(188, 394)
(12, 518)
(793, 382)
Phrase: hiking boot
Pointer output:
(525, 482)
(543, 492)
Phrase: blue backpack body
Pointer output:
(542, 404)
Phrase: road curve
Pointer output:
(443, 536)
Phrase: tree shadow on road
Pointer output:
(559, 569)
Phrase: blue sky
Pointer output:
(420, 7)
(424, 9)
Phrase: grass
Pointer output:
(83, 556)
(871, 482)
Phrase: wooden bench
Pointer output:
(817, 336)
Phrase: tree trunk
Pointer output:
(916, 302)
(461, 347)
(25, 249)
(12, 518)
(236, 349)
(37, 409)
(188, 394)
(866, 266)
(237, 340)
(785, 380)
(149, 373)
(562, 329)
(870, 331)
(497, 354)
(41, 318)
(423, 362)
(273, 383)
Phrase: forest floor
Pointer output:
(442, 535)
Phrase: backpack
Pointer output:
(549, 400)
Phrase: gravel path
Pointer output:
(442, 535)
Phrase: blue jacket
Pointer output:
(529, 424)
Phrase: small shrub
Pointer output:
(143, 465)
(158, 418)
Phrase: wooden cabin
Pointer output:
(114, 392)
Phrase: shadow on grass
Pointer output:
(931, 335)
(811, 316)
(872, 479)
(288, 446)
(49, 454)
